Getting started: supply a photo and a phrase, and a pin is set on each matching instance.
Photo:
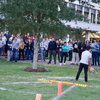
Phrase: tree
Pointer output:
(37, 16)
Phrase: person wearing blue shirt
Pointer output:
(64, 53)
(98, 52)
(9, 48)
(94, 47)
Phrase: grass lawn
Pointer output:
(11, 72)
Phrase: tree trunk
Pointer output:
(35, 56)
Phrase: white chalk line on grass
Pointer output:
(69, 78)
(4, 89)
(58, 97)
(23, 83)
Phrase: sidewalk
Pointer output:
(52, 63)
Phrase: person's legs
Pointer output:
(65, 54)
(22, 53)
(42, 55)
(31, 55)
(62, 55)
(95, 58)
(16, 55)
(19, 53)
(79, 54)
(73, 58)
(27, 54)
(50, 59)
(85, 72)
(54, 56)
(77, 58)
(8, 55)
(0, 51)
(79, 71)
(12, 54)
(98, 58)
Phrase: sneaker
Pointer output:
(64, 63)
(60, 64)
(48, 63)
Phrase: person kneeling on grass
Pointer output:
(64, 53)
(85, 62)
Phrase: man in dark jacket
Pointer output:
(52, 50)
(75, 58)
(82, 47)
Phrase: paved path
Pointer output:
(46, 61)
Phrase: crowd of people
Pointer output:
(15, 46)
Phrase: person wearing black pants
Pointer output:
(85, 71)
(52, 50)
(64, 53)
(84, 62)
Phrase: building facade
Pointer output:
(88, 9)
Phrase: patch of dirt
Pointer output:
(39, 69)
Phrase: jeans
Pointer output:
(29, 52)
(52, 52)
(94, 57)
(85, 71)
(0, 51)
(14, 51)
(98, 54)
(42, 55)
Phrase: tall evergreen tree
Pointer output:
(37, 16)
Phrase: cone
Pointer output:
(38, 97)
(59, 88)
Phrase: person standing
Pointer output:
(82, 48)
(64, 53)
(1, 44)
(70, 48)
(75, 58)
(57, 50)
(94, 47)
(15, 46)
(4, 44)
(42, 46)
(52, 50)
(9, 48)
(98, 53)
(84, 63)
(29, 48)
(46, 47)
(7, 35)
(21, 49)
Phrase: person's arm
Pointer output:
(90, 62)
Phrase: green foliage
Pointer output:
(77, 34)
(36, 16)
